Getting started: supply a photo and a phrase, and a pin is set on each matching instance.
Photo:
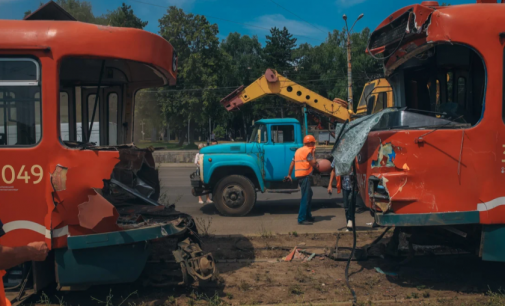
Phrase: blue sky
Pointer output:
(309, 21)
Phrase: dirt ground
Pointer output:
(252, 272)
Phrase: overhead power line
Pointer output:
(312, 25)
(227, 20)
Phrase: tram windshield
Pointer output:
(446, 81)
(96, 99)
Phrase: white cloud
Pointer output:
(184, 4)
(295, 27)
(348, 3)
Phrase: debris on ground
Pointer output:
(246, 272)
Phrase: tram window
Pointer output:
(37, 109)
(112, 101)
(450, 86)
(95, 134)
(461, 90)
(461, 82)
(78, 114)
(20, 105)
(437, 99)
(64, 122)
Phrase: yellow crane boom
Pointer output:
(272, 83)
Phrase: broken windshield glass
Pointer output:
(352, 139)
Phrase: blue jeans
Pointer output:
(306, 201)
(348, 207)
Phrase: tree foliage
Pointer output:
(219, 131)
(209, 70)
(200, 64)
(81, 10)
(124, 17)
(279, 48)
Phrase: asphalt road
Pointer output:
(273, 213)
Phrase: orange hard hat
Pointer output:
(309, 139)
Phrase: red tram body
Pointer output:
(444, 175)
(67, 95)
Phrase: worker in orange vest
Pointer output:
(11, 257)
(303, 163)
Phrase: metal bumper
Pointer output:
(430, 219)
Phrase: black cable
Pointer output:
(353, 205)
(97, 100)
(392, 53)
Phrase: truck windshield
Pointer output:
(259, 130)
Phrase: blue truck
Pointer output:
(235, 172)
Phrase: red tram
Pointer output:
(67, 176)
(436, 167)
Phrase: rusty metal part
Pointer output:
(135, 170)
(190, 266)
(134, 192)
(98, 214)
(233, 100)
(199, 266)
(59, 178)
(271, 76)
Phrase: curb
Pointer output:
(176, 165)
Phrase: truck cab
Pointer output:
(234, 172)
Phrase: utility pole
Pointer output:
(189, 124)
(349, 66)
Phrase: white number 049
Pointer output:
(9, 174)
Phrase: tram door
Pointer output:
(105, 129)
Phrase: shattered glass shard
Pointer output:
(353, 137)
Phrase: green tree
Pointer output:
(124, 17)
(219, 131)
(326, 64)
(279, 48)
(246, 66)
(200, 63)
(148, 116)
(81, 10)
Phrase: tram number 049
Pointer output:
(10, 174)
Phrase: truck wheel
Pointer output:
(234, 195)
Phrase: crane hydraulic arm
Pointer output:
(272, 83)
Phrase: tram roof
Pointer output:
(79, 39)
(476, 25)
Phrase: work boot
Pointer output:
(306, 222)
(311, 219)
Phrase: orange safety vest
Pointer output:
(3, 300)
(302, 165)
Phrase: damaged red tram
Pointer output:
(435, 168)
(67, 176)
